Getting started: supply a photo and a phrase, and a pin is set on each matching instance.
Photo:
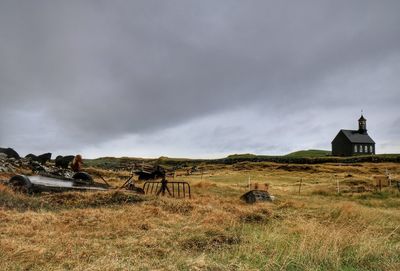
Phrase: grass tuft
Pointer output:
(210, 240)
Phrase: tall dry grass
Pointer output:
(213, 231)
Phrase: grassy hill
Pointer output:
(297, 154)
(241, 156)
(309, 153)
(298, 157)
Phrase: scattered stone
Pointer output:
(37, 167)
(8, 164)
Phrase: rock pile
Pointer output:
(42, 159)
(11, 164)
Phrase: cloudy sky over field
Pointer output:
(196, 78)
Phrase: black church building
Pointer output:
(353, 142)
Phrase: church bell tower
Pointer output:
(362, 125)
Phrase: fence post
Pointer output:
(249, 183)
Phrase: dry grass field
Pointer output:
(357, 228)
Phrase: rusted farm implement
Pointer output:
(175, 189)
(84, 182)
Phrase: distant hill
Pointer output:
(241, 156)
(298, 157)
(296, 154)
(309, 153)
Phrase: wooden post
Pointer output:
(380, 185)
(301, 181)
(202, 171)
(387, 173)
(249, 183)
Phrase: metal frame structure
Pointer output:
(175, 189)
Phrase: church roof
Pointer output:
(356, 137)
(362, 118)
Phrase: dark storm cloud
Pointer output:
(85, 72)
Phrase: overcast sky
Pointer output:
(196, 78)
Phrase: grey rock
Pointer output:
(64, 161)
(42, 159)
(256, 195)
(10, 153)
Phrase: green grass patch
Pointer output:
(309, 153)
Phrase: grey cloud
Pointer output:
(99, 70)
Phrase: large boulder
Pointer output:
(256, 195)
(42, 159)
(30, 156)
(10, 153)
(64, 161)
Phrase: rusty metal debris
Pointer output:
(82, 181)
(58, 178)
(40, 183)
(175, 189)
(129, 184)
(148, 171)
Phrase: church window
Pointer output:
(371, 149)
(355, 148)
(365, 148)
(361, 149)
